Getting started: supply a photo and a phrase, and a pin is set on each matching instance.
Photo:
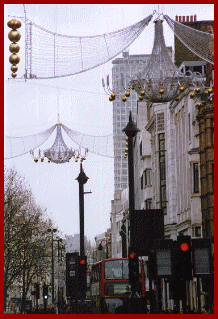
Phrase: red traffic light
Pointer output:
(132, 255)
(184, 247)
(82, 262)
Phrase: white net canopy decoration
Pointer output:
(59, 152)
(200, 43)
(16, 146)
(53, 55)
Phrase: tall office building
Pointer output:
(128, 65)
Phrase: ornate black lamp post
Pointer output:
(82, 179)
(135, 302)
(131, 131)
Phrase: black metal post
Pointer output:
(131, 131)
(52, 266)
(82, 179)
(52, 262)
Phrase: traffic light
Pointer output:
(45, 291)
(82, 276)
(183, 258)
(133, 271)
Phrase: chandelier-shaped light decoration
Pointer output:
(59, 152)
(160, 81)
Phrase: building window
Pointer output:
(213, 175)
(195, 178)
(162, 172)
(140, 149)
(189, 127)
(147, 177)
(148, 203)
(196, 231)
(212, 133)
(142, 181)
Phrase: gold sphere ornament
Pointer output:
(197, 90)
(199, 104)
(206, 92)
(124, 98)
(49, 158)
(210, 90)
(177, 98)
(139, 86)
(127, 93)
(36, 160)
(161, 91)
(192, 95)
(14, 75)
(14, 68)
(14, 58)
(14, 36)
(113, 95)
(14, 48)
(140, 98)
(14, 24)
(142, 93)
(42, 159)
(110, 98)
(181, 89)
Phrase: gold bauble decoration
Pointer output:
(14, 75)
(177, 98)
(126, 149)
(206, 92)
(113, 95)
(140, 97)
(161, 91)
(14, 24)
(42, 159)
(210, 90)
(14, 58)
(14, 36)
(181, 88)
(36, 160)
(124, 98)
(139, 86)
(142, 93)
(110, 98)
(197, 90)
(14, 48)
(192, 95)
(127, 93)
(199, 104)
(14, 68)
(49, 158)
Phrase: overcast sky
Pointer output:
(32, 106)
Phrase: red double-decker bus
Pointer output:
(110, 287)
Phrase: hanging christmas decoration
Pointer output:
(14, 36)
